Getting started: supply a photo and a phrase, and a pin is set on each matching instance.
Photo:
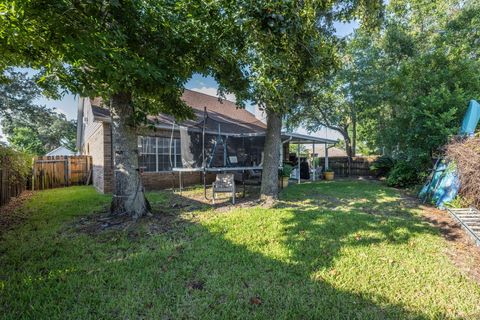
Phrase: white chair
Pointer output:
(318, 173)
(224, 183)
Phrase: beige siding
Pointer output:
(108, 157)
(95, 147)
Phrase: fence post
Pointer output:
(66, 170)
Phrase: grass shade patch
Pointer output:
(328, 250)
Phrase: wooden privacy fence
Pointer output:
(360, 166)
(61, 171)
(9, 187)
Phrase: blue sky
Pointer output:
(68, 104)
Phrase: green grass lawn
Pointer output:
(339, 250)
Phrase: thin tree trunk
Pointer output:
(354, 134)
(128, 194)
(348, 148)
(269, 188)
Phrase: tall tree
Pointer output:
(28, 126)
(289, 44)
(328, 103)
(136, 54)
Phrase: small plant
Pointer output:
(382, 166)
(329, 170)
(286, 171)
(404, 174)
(458, 202)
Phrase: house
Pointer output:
(61, 151)
(233, 137)
(333, 152)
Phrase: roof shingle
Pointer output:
(225, 113)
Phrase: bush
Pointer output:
(17, 163)
(404, 174)
(382, 166)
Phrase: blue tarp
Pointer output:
(471, 118)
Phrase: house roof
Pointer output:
(61, 151)
(332, 151)
(220, 112)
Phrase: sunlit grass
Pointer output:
(339, 250)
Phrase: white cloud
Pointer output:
(211, 91)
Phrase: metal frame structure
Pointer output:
(299, 139)
(469, 219)
(293, 138)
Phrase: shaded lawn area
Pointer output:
(339, 250)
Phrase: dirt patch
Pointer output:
(463, 252)
(10, 216)
(169, 215)
(102, 222)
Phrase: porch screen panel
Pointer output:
(147, 148)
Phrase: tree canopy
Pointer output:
(136, 54)
(407, 85)
(99, 48)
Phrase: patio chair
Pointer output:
(318, 173)
(224, 183)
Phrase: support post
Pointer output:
(180, 181)
(298, 162)
(313, 163)
(204, 175)
(326, 156)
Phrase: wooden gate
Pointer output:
(61, 171)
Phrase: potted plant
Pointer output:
(285, 173)
(329, 174)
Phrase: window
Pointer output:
(154, 154)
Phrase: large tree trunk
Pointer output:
(273, 143)
(128, 194)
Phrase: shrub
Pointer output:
(404, 174)
(17, 163)
(382, 166)
(286, 171)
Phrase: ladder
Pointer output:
(469, 219)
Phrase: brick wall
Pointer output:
(165, 180)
